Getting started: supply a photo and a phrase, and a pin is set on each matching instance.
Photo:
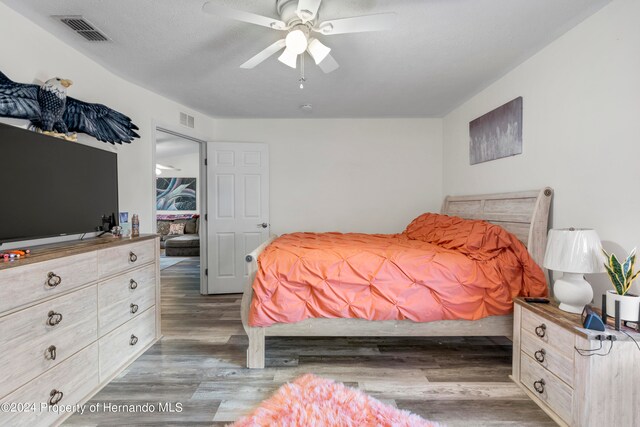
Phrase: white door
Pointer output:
(238, 210)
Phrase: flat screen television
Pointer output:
(52, 187)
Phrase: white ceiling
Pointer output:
(169, 146)
(440, 53)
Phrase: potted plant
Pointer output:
(622, 276)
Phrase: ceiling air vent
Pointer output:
(83, 27)
(187, 120)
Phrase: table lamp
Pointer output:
(574, 252)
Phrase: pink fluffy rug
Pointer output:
(318, 402)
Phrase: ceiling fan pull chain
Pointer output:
(302, 79)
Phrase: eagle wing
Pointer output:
(99, 121)
(18, 100)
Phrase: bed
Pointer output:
(524, 214)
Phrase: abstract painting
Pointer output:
(497, 134)
(176, 194)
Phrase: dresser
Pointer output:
(72, 317)
(577, 376)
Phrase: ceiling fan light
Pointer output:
(297, 41)
(318, 51)
(289, 58)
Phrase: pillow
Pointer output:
(163, 227)
(190, 226)
(477, 239)
(176, 229)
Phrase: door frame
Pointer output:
(191, 135)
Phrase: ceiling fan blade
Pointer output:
(328, 64)
(240, 15)
(308, 9)
(265, 54)
(358, 24)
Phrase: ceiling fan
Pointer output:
(300, 19)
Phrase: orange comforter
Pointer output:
(439, 268)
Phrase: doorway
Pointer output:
(223, 203)
(181, 201)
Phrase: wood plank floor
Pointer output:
(200, 364)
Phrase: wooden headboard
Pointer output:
(523, 213)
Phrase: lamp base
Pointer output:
(571, 308)
(573, 292)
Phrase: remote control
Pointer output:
(535, 300)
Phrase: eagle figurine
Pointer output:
(52, 112)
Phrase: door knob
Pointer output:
(263, 225)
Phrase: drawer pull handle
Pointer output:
(54, 318)
(541, 330)
(133, 257)
(53, 279)
(133, 284)
(133, 340)
(55, 397)
(540, 355)
(134, 308)
(51, 353)
(539, 386)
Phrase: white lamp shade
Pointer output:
(289, 58)
(296, 41)
(574, 250)
(318, 51)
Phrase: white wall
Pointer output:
(581, 133)
(189, 165)
(28, 52)
(358, 175)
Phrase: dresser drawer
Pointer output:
(121, 345)
(40, 337)
(121, 258)
(546, 332)
(29, 283)
(70, 382)
(548, 357)
(124, 297)
(551, 390)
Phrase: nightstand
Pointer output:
(564, 369)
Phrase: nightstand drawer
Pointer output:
(546, 332)
(546, 387)
(548, 357)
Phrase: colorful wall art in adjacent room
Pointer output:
(176, 194)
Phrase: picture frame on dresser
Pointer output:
(73, 316)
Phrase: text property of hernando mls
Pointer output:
(141, 408)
